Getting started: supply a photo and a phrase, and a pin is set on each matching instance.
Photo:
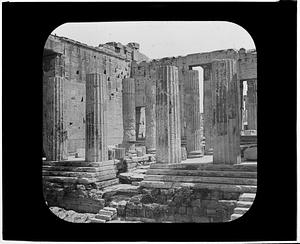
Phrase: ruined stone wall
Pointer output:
(180, 205)
(75, 61)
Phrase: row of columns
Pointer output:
(167, 138)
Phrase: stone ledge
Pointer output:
(179, 172)
(97, 175)
(83, 180)
(78, 169)
(198, 179)
(79, 163)
(252, 167)
(221, 187)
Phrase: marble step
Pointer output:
(249, 167)
(83, 180)
(105, 212)
(110, 209)
(95, 220)
(210, 186)
(243, 204)
(236, 216)
(79, 169)
(80, 163)
(233, 174)
(240, 210)
(105, 217)
(199, 179)
(247, 197)
(80, 174)
(75, 180)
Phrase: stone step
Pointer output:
(79, 169)
(211, 186)
(244, 204)
(247, 197)
(105, 217)
(233, 174)
(105, 212)
(199, 179)
(240, 210)
(113, 210)
(84, 180)
(248, 167)
(80, 174)
(80, 163)
(235, 216)
(94, 220)
(107, 183)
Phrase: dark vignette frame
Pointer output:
(26, 27)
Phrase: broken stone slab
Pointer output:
(120, 189)
(129, 177)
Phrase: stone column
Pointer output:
(96, 115)
(128, 100)
(150, 90)
(168, 142)
(226, 118)
(252, 104)
(193, 116)
(208, 87)
(137, 121)
(55, 129)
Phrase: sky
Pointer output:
(163, 38)
(160, 39)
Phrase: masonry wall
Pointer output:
(180, 205)
(76, 60)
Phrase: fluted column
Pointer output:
(168, 142)
(252, 104)
(96, 115)
(150, 90)
(193, 116)
(208, 94)
(55, 129)
(128, 99)
(226, 118)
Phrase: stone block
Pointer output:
(96, 220)
(251, 154)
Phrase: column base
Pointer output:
(76, 184)
(209, 151)
(195, 154)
